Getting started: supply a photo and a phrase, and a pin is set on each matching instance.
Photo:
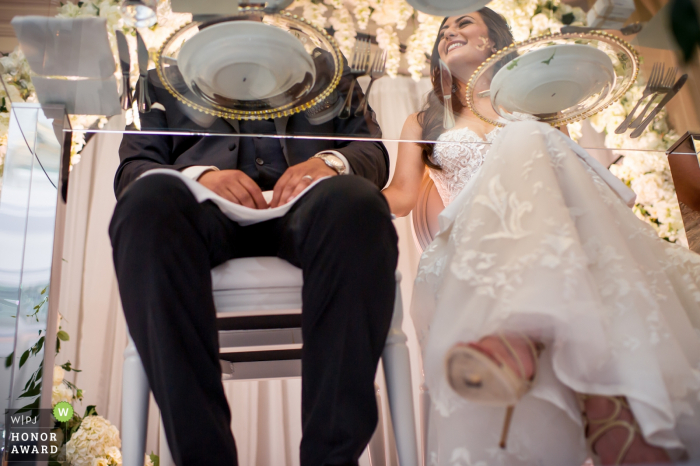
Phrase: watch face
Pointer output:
(334, 162)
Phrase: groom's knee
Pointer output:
(149, 205)
(356, 210)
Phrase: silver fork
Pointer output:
(655, 77)
(360, 63)
(376, 71)
(663, 88)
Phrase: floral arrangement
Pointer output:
(95, 443)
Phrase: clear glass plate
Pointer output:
(486, 104)
(321, 47)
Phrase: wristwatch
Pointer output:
(332, 161)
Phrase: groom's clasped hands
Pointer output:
(239, 188)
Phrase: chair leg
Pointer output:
(135, 391)
(376, 450)
(397, 370)
(424, 421)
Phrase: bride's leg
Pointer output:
(610, 443)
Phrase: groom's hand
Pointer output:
(297, 177)
(235, 186)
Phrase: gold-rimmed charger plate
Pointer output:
(321, 47)
(486, 105)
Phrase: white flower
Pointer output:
(421, 43)
(96, 442)
(342, 23)
(60, 393)
(540, 23)
(147, 461)
(58, 375)
(362, 12)
(388, 40)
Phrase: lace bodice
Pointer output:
(460, 155)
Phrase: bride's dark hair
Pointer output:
(431, 116)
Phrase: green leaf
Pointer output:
(37, 347)
(568, 18)
(23, 359)
(90, 411)
(44, 290)
(62, 335)
(8, 360)
(30, 382)
(31, 407)
(68, 367)
(154, 459)
(35, 391)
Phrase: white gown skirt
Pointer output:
(538, 243)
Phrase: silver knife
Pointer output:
(448, 120)
(125, 61)
(144, 100)
(676, 87)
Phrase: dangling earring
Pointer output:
(454, 88)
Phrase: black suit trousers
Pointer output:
(340, 234)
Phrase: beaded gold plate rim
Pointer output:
(592, 35)
(283, 111)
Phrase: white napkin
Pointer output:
(80, 97)
(238, 213)
(65, 46)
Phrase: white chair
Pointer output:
(424, 220)
(258, 302)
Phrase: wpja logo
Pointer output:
(29, 438)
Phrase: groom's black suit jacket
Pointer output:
(142, 152)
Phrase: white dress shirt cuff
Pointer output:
(348, 168)
(198, 170)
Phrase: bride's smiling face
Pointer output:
(464, 44)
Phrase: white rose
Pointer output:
(58, 375)
(100, 462)
(540, 23)
(60, 393)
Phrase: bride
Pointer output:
(543, 300)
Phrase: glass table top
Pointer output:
(292, 77)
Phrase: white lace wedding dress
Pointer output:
(534, 240)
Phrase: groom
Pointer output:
(340, 234)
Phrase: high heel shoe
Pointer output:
(605, 424)
(485, 378)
